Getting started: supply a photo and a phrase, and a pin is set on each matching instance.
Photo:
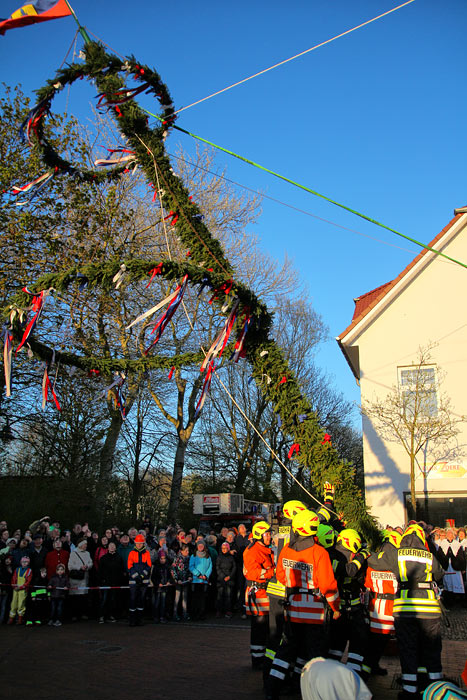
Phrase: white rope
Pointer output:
(292, 58)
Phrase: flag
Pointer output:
(35, 11)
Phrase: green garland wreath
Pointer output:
(113, 68)
(207, 261)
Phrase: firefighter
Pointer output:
(417, 612)
(305, 569)
(382, 587)
(349, 565)
(139, 570)
(258, 568)
(276, 590)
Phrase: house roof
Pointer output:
(365, 303)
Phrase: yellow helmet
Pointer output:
(393, 537)
(305, 523)
(259, 529)
(326, 535)
(291, 508)
(415, 529)
(350, 539)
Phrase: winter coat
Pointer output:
(54, 558)
(225, 566)
(22, 577)
(181, 569)
(112, 570)
(76, 561)
(57, 584)
(200, 566)
(161, 574)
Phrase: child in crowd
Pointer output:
(162, 580)
(182, 576)
(38, 604)
(59, 586)
(21, 580)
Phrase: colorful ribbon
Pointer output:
(294, 449)
(32, 121)
(165, 319)
(120, 96)
(33, 188)
(205, 389)
(218, 346)
(37, 306)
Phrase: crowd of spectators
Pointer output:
(49, 574)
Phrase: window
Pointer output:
(418, 388)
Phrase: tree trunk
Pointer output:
(412, 485)
(177, 478)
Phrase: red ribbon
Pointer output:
(326, 440)
(295, 448)
(171, 373)
(155, 271)
(283, 380)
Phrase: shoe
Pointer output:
(163, 620)
(20, 620)
(228, 615)
(50, 623)
(243, 616)
(177, 618)
(84, 617)
(11, 621)
(57, 623)
(101, 620)
(112, 619)
(186, 618)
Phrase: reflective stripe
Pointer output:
(332, 598)
(435, 676)
(365, 668)
(257, 654)
(358, 657)
(256, 647)
(276, 588)
(270, 654)
(281, 662)
(354, 666)
(336, 652)
(300, 661)
(409, 677)
(277, 674)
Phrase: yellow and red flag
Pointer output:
(33, 12)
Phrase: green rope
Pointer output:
(308, 189)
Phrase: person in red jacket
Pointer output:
(139, 570)
(57, 556)
(258, 568)
(305, 569)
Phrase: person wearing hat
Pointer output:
(305, 569)
(258, 567)
(139, 570)
(21, 580)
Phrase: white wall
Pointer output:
(431, 309)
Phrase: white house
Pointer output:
(426, 304)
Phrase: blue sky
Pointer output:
(375, 120)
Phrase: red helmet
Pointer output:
(140, 538)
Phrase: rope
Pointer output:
(292, 58)
(290, 206)
(309, 190)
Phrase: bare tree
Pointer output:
(417, 415)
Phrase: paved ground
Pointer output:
(207, 661)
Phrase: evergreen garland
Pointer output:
(207, 265)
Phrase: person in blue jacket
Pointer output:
(200, 567)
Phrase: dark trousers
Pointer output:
(181, 594)
(137, 597)
(198, 600)
(419, 642)
(352, 627)
(301, 642)
(224, 597)
(56, 609)
(258, 638)
(108, 604)
(376, 646)
(276, 628)
(160, 603)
